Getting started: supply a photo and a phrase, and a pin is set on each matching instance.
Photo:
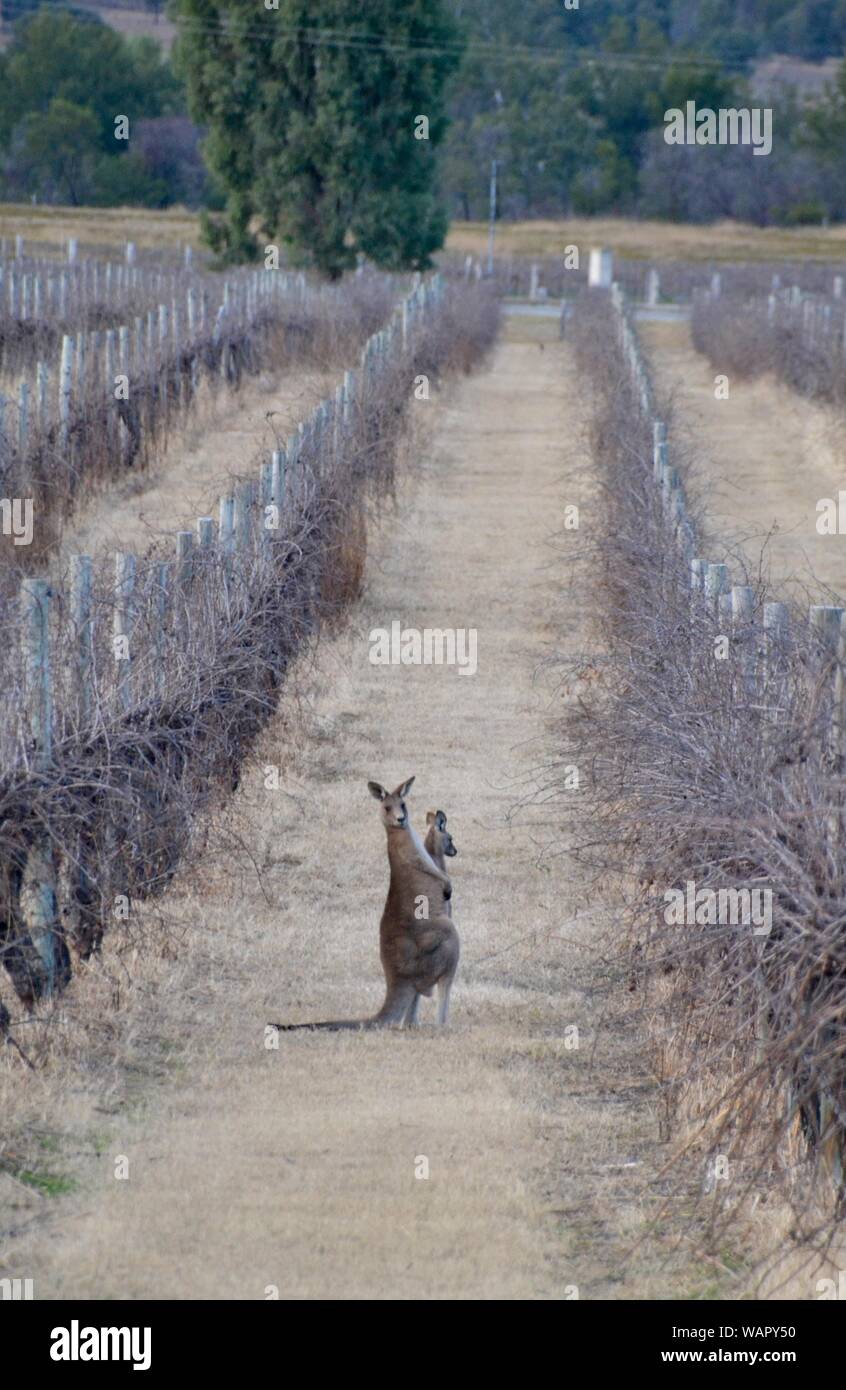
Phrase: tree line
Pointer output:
(340, 129)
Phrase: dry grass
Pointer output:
(629, 238)
(195, 468)
(653, 241)
(149, 228)
(764, 457)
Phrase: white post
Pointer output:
(23, 417)
(111, 372)
(776, 628)
(184, 576)
(35, 624)
(716, 583)
(65, 387)
(81, 574)
(825, 625)
(36, 595)
(123, 623)
(42, 381)
(600, 268)
(226, 531)
(278, 465)
(243, 515)
(742, 612)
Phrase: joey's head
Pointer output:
(440, 836)
(393, 804)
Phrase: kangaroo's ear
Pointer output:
(404, 788)
(376, 790)
(440, 820)
(430, 817)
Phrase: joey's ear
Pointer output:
(404, 788)
(430, 817)
(376, 790)
(440, 820)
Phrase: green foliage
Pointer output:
(823, 128)
(125, 181)
(55, 56)
(564, 100)
(310, 109)
(63, 82)
(58, 149)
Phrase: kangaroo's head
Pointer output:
(439, 835)
(394, 809)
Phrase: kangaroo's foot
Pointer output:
(399, 1002)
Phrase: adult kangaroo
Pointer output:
(418, 943)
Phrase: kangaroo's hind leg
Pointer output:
(398, 1001)
(444, 987)
(411, 1019)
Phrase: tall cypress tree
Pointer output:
(323, 119)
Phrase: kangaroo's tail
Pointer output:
(331, 1025)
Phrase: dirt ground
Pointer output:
(764, 458)
(222, 438)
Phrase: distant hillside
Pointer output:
(732, 30)
(782, 71)
(735, 31)
(568, 103)
(134, 19)
(138, 21)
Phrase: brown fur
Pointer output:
(418, 943)
(439, 844)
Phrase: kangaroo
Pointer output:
(439, 845)
(418, 953)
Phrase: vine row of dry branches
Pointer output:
(86, 397)
(711, 729)
(140, 748)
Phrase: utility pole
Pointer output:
(494, 167)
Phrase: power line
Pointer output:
(321, 37)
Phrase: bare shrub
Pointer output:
(800, 338)
(724, 774)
